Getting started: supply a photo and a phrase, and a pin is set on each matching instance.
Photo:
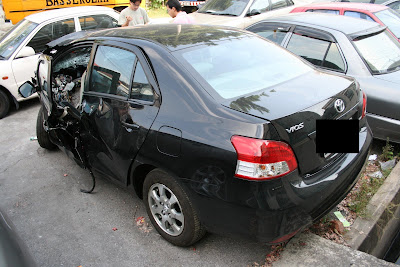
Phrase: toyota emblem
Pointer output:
(339, 105)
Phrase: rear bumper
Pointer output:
(383, 127)
(267, 210)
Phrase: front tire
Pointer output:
(170, 210)
(43, 136)
(4, 104)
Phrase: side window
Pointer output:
(395, 6)
(327, 11)
(51, 32)
(358, 15)
(112, 71)
(261, 5)
(333, 59)
(275, 4)
(273, 33)
(141, 88)
(321, 53)
(97, 22)
(67, 73)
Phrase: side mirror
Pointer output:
(26, 51)
(253, 12)
(27, 89)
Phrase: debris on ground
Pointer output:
(274, 255)
(143, 225)
(387, 164)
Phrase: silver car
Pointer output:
(353, 47)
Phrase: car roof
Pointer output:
(344, 24)
(69, 11)
(173, 36)
(348, 5)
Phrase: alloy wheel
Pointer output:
(166, 209)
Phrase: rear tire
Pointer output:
(4, 104)
(170, 210)
(43, 136)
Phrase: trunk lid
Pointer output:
(294, 106)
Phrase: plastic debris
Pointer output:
(376, 174)
(115, 229)
(388, 164)
(372, 157)
(32, 138)
(341, 218)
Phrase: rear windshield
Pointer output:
(244, 65)
(381, 52)
(391, 19)
(11, 41)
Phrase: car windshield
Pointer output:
(391, 19)
(380, 51)
(10, 42)
(241, 66)
(224, 7)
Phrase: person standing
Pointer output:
(133, 15)
(174, 9)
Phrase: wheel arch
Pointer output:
(137, 176)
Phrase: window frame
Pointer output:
(283, 27)
(320, 35)
(139, 57)
(361, 13)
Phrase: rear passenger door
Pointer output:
(318, 47)
(119, 106)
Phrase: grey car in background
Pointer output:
(349, 46)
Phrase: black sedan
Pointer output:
(215, 128)
(358, 48)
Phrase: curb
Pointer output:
(373, 235)
(308, 249)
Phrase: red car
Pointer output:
(373, 12)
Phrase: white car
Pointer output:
(20, 46)
(242, 13)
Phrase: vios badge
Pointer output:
(339, 105)
(295, 127)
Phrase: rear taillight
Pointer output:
(262, 159)
(364, 108)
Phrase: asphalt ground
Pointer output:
(40, 193)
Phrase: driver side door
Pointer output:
(119, 107)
